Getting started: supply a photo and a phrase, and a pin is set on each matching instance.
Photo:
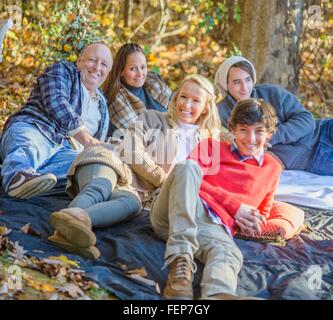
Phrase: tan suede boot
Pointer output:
(74, 225)
(90, 252)
(179, 283)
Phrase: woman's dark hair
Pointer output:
(252, 111)
(113, 83)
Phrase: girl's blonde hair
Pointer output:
(210, 118)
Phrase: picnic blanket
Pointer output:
(306, 189)
(302, 269)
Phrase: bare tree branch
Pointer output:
(162, 25)
(171, 33)
(142, 24)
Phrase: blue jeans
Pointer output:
(322, 158)
(24, 147)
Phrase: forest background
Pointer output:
(289, 41)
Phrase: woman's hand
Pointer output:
(249, 219)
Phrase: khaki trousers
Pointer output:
(179, 218)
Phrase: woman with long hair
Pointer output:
(131, 88)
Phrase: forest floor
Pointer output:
(53, 278)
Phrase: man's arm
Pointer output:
(295, 121)
(85, 138)
(56, 88)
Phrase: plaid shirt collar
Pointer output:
(259, 157)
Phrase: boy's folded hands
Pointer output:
(249, 219)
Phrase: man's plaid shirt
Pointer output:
(55, 106)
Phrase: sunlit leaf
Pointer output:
(72, 290)
(65, 261)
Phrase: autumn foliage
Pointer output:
(179, 38)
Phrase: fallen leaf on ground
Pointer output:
(140, 271)
(140, 274)
(51, 261)
(28, 230)
(54, 296)
(72, 290)
(46, 287)
(122, 266)
(4, 231)
(37, 285)
(76, 271)
(61, 278)
(65, 261)
(38, 251)
(19, 251)
(306, 228)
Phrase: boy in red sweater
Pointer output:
(202, 202)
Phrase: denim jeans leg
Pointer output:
(23, 147)
(322, 159)
(60, 161)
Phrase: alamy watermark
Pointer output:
(314, 280)
(315, 17)
(13, 277)
(139, 145)
(314, 277)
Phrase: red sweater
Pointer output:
(227, 182)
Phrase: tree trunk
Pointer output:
(128, 13)
(269, 35)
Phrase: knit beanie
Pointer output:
(221, 76)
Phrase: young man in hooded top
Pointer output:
(300, 142)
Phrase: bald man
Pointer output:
(65, 104)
